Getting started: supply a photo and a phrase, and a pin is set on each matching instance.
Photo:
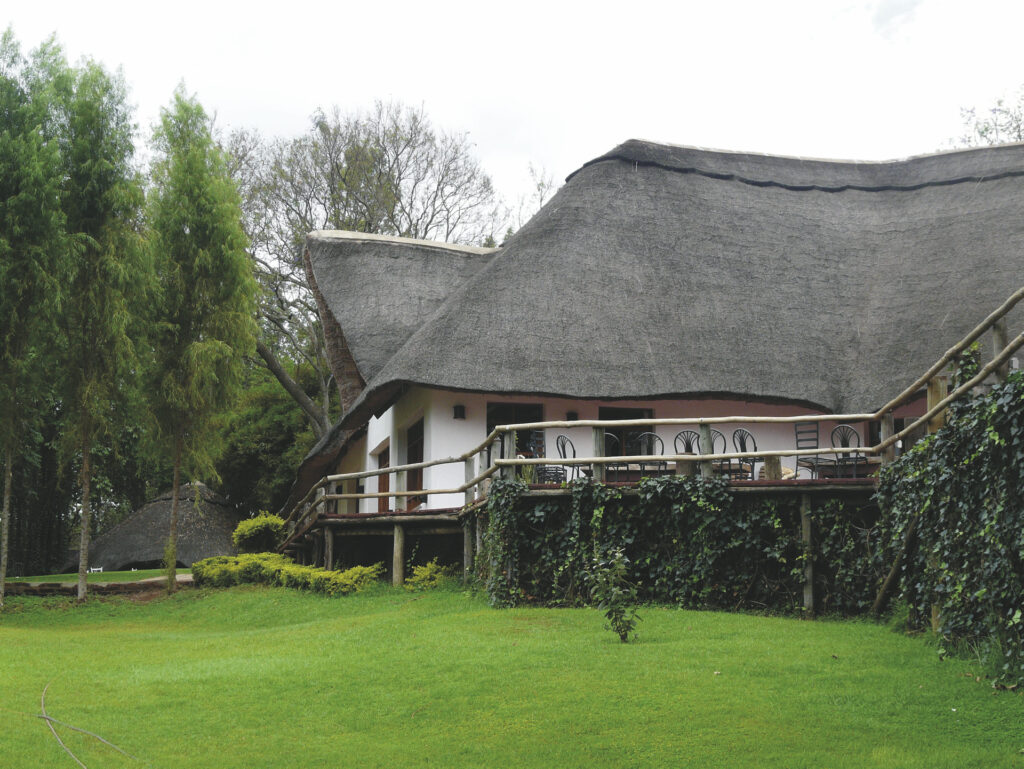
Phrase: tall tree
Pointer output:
(107, 275)
(207, 296)
(388, 171)
(31, 234)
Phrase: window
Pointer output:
(622, 441)
(529, 443)
(414, 454)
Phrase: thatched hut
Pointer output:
(205, 524)
(666, 281)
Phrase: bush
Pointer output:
(275, 569)
(258, 535)
(427, 576)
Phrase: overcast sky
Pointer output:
(556, 84)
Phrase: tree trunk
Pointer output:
(318, 418)
(5, 529)
(171, 551)
(83, 548)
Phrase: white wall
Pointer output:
(446, 436)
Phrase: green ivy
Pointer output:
(961, 491)
(686, 540)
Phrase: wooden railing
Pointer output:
(481, 464)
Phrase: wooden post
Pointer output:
(332, 506)
(684, 467)
(807, 536)
(773, 468)
(888, 429)
(938, 388)
(999, 339)
(508, 451)
(467, 549)
(401, 503)
(598, 470)
(328, 548)
(398, 557)
(479, 527)
(470, 475)
(706, 447)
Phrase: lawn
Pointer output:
(102, 576)
(265, 677)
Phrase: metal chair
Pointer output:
(566, 450)
(847, 437)
(743, 441)
(650, 444)
(687, 442)
(611, 449)
(536, 446)
(806, 434)
(719, 446)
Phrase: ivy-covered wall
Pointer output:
(688, 541)
(956, 504)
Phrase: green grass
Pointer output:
(258, 677)
(103, 576)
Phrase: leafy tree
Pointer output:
(106, 273)
(266, 437)
(387, 172)
(999, 124)
(31, 233)
(207, 293)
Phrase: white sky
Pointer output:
(558, 83)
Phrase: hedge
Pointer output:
(274, 569)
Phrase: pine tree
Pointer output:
(31, 237)
(207, 298)
(107, 276)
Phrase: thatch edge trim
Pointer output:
(621, 153)
(366, 237)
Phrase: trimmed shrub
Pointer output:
(275, 569)
(260, 534)
(427, 576)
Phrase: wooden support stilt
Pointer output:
(807, 536)
(598, 470)
(467, 549)
(479, 527)
(999, 340)
(328, 548)
(706, 447)
(398, 557)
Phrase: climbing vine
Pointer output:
(960, 495)
(686, 540)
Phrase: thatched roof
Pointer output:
(203, 531)
(664, 271)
